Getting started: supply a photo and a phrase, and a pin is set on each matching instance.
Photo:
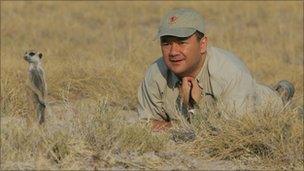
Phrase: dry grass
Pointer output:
(95, 55)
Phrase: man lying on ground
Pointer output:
(191, 76)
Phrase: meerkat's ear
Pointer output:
(40, 55)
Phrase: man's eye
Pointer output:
(165, 44)
(182, 42)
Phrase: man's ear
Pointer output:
(40, 55)
(203, 44)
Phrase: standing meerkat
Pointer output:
(36, 83)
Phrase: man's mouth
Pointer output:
(176, 60)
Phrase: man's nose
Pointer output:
(174, 50)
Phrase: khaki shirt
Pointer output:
(225, 81)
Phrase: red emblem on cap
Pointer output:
(172, 19)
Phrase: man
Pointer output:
(192, 76)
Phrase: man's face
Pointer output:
(183, 56)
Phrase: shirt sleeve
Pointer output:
(150, 101)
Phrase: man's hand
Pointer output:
(196, 91)
(190, 90)
(158, 126)
(185, 89)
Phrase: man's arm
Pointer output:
(150, 99)
(150, 106)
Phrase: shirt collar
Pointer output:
(174, 81)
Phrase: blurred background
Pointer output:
(103, 48)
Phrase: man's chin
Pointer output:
(179, 74)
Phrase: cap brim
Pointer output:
(178, 32)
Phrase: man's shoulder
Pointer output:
(157, 71)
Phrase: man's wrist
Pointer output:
(195, 103)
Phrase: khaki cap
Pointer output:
(182, 22)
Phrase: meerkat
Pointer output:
(36, 83)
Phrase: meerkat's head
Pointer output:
(32, 57)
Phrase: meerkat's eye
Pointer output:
(31, 53)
